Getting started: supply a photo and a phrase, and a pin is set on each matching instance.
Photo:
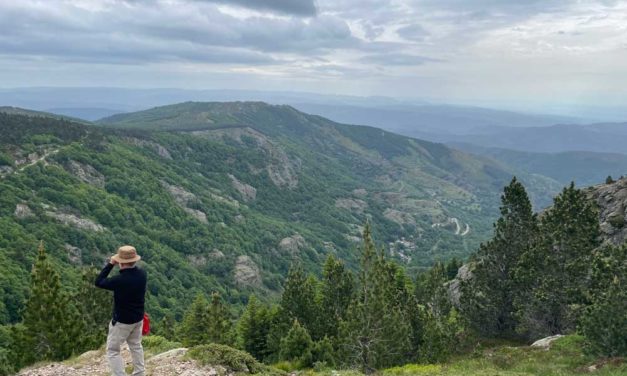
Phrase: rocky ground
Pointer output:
(94, 363)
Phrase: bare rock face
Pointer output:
(22, 211)
(359, 192)
(354, 205)
(399, 217)
(246, 272)
(464, 273)
(75, 254)
(86, 173)
(292, 244)
(201, 216)
(611, 200)
(76, 221)
(157, 148)
(179, 194)
(248, 192)
(5, 170)
(183, 198)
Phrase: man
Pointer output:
(129, 288)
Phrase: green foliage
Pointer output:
(253, 328)
(5, 159)
(95, 307)
(375, 333)
(298, 301)
(552, 274)
(234, 360)
(53, 326)
(604, 322)
(609, 180)
(206, 322)
(166, 327)
(155, 344)
(487, 299)
(297, 346)
(336, 291)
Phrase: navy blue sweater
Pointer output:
(129, 289)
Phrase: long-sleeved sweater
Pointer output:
(129, 289)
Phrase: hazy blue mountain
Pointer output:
(583, 167)
(605, 138)
(414, 120)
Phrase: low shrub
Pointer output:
(232, 359)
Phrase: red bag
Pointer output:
(146, 325)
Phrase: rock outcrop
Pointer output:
(352, 204)
(292, 244)
(545, 343)
(86, 173)
(246, 272)
(611, 200)
(399, 217)
(74, 254)
(184, 198)
(157, 148)
(248, 192)
(76, 221)
(22, 211)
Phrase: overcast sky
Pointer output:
(500, 53)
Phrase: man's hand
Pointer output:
(113, 261)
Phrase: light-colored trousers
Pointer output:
(131, 334)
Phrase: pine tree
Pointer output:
(298, 300)
(604, 322)
(487, 299)
(376, 333)
(53, 327)
(336, 293)
(219, 326)
(297, 345)
(253, 327)
(166, 327)
(95, 306)
(552, 275)
(195, 327)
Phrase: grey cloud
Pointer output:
(413, 32)
(294, 7)
(397, 59)
(139, 31)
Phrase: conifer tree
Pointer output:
(604, 322)
(219, 326)
(376, 333)
(298, 300)
(297, 346)
(487, 299)
(552, 276)
(336, 293)
(53, 327)
(166, 327)
(195, 327)
(253, 327)
(95, 306)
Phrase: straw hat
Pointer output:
(126, 254)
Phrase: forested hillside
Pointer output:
(225, 197)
